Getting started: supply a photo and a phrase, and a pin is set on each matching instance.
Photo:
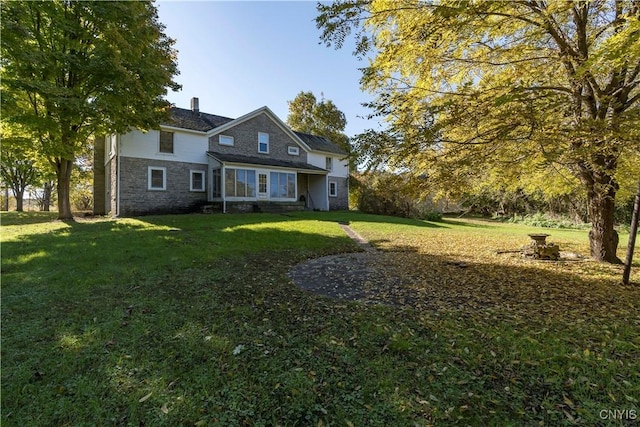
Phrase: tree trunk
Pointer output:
(603, 238)
(63, 172)
(19, 200)
(46, 196)
(632, 238)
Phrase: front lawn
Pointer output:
(191, 320)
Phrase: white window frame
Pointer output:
(191, 187)
(150, 169)
(293, 151)
(260, 134)
(173, 143)
(229, 140)
(333, 185)
(329, 163)
(275, 180)
(248, 183)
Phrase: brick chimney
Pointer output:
(195, 105)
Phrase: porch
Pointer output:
(252, 207)
(249, 184)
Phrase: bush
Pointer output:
(390, 194)
(509, 204)
(540, 219)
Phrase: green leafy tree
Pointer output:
(323, 118)
(514, 87)
(73, 69)
(47, 183)
(17, 164)
(82, 181)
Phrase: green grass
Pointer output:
(191, 320)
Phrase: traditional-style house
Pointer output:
(199, 161)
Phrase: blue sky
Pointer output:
(238, 56)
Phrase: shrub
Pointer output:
(383, 193)
(547, 220)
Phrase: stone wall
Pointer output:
(245, 137)
(137, 199)
(341, 201)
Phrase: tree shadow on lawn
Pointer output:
(126, 327)
(113, 311)
(211, 221)
(83, 251)
(346, 217)
(483, 223)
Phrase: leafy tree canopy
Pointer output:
(323, 118)
(18, 162)
(71, 69)
(519, 89)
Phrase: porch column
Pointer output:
(326, 192)
(223, 188)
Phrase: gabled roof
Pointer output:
(188, 119)
(319, 143)
(264, 161)
(203, 122)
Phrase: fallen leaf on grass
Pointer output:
(142, 399)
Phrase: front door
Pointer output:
(263, 186)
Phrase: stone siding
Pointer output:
(137, 199)
(245, 137)
(341, 201)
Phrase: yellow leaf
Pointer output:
(142, 399)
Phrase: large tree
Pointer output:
(518, 86)
(71, 69)
(323, 118)
(18, 168)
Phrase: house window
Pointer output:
(294, 151)
(166, 142)
(197, 181)
(329, 163)
(217, 183)
(283, 185)
(263, 142)
(157, 178)
(225, 140)
(240, 183)
(333, 189)
(262, 183)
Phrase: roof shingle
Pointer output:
(188, 119)
(204, 122)
(320, 143)
(264, 161)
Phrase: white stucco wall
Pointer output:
(187, 147)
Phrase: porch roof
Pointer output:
(265, 161)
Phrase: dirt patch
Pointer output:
(338, 276)
(369, 277)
